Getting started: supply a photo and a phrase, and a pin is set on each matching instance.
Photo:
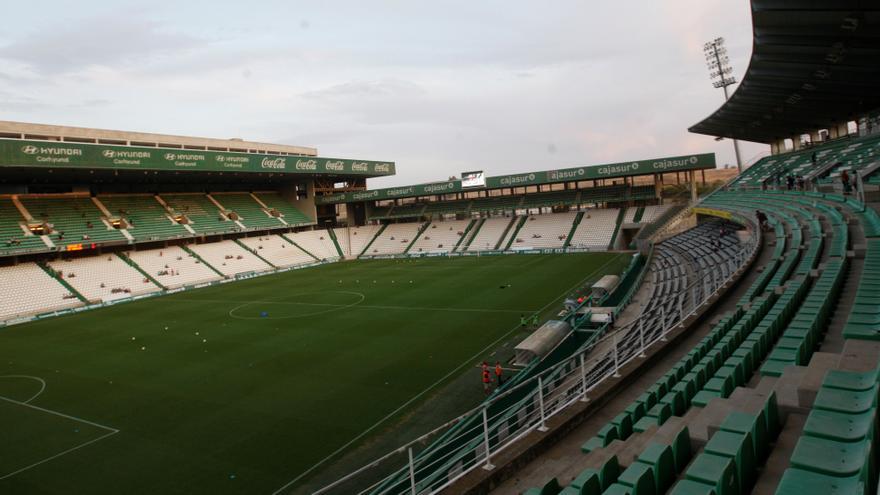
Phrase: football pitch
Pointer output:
(259, 384)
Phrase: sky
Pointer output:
(437, 87)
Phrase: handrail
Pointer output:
(547, 393)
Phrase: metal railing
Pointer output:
(472, 440)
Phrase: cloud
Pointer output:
(106, 40)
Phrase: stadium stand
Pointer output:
(318, 243)
(853, 155)
(596, 228)
(358, 238)
(73, 220)
(277, 250)
(488, 236)
(545, 231)
(441, 237)
(394, 239)
(229, 258)
(250, 213)
(173, 267)
(14, 235)
(653, 212)
(204, 216)
(103, 278)
(276, 203)
(27, 290)
(145, 217)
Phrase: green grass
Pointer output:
(227, 401)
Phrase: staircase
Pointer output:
(255, 253)
(617, 228)
(419, 234)
(21, 209)
(137, 267)
(335, 242)
(464, 236)
(171, 217)
(522, 221)
(378, 233)
(51, 273)
(201, 260)
(504, 235)
(288, 239)
(640, 212)
(574, 226)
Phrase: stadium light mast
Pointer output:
(719, 72)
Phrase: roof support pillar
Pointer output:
(774, 148)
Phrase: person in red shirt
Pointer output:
(487, 380)
(498, 372)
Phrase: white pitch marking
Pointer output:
(110, 431)
(42, 384)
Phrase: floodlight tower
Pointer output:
(719, 72)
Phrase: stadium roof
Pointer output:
(815, 63)
(51, 147)
(576, 174)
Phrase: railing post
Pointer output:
(663, 323)
(616, 360)
(642, 337)
(681, 309)
(543, 426)
(412, 473)
(488, 466)
(584, 397)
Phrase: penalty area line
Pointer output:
(435, 384)
(109, 432)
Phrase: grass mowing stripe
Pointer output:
(441, 380)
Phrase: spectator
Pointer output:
(844, 179)
(498, 372)
(487, 380)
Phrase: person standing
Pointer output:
(498, 372)
(535, 320)
(522, 321)
(487, 380)
(844, 178)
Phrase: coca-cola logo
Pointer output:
(278, 163)
(307, 164)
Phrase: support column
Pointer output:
(693, 187)
(796, 142)
(774, 148)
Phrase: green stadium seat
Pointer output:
(716, 471)
(661, 461)
(847, 380)
(550, 488)
(842, 427)
(639, 478)
(739, 448)
(624, 424)
(587, 483)
(688, 487)
(800, 482)
(618, 489)
(846, 401)
(753, 424)
(830, 457)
